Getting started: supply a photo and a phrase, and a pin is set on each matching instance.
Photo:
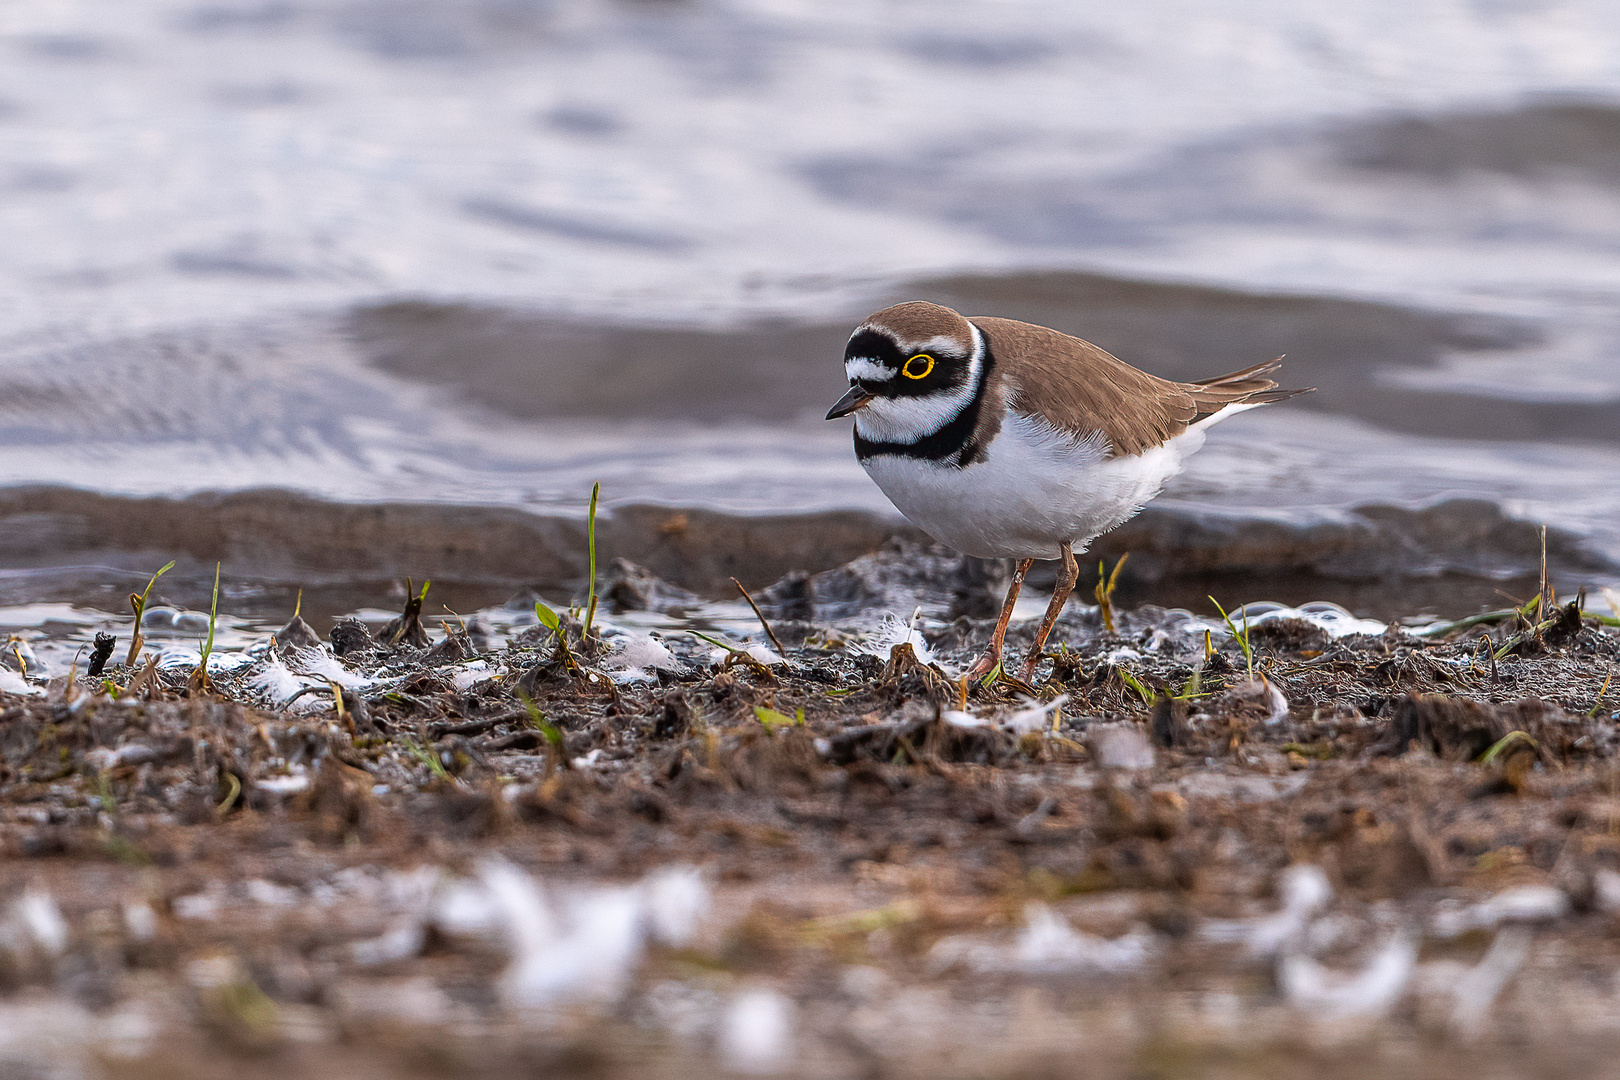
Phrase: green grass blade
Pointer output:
(139, 604)
(1241, 636)
(547, 617)
(590, 537)
(773, 719)
(1135, 684)
(537, 720)
(1504, 742)
(213, 620)
(716, 642)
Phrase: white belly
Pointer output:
(1036, 489)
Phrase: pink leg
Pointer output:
(1068, 574)
(985, 664)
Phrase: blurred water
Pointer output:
(490, 251)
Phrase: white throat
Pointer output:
(912, 419)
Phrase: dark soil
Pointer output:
(223, 874)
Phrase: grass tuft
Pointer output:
(428, 757)
(1135, 684)
(1104, 590)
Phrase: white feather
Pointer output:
(1037, 487)
(323, 665)
(275, 682)
(893, 631)
(908, 419)
(866, 369)
(642, 651)
(1034, 716)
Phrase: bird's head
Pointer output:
(911, 370)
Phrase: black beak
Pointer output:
(856, 398)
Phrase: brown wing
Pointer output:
(1082, 389)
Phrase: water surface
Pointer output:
(484, 254)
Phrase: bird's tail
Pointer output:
(1247, 387)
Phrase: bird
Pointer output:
(1004, 439)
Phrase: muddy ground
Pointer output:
(1389, 854)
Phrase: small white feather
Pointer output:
(275, 682)
(635, 651)
(326, 667)
(1034, 716)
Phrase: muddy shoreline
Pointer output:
(653, 856)
(62, 544)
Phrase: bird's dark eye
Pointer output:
(918, 366)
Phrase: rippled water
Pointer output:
(490, 251)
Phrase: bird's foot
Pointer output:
(983, 666)
(1031, 662)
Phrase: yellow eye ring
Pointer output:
(927, 366)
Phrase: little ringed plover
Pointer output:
(1007, 440)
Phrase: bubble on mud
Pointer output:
(1606, 889)
(1120, 746)
(36, 915)
(1475, 989)
(401, 941)
(466, 674)
(290, 784)
(202, 906)
(1261, 698)
(676, 897)
(140, 921)
(961, 719)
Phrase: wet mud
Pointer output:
(61, 544)
(441, 850)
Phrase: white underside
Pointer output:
(1037, 488)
